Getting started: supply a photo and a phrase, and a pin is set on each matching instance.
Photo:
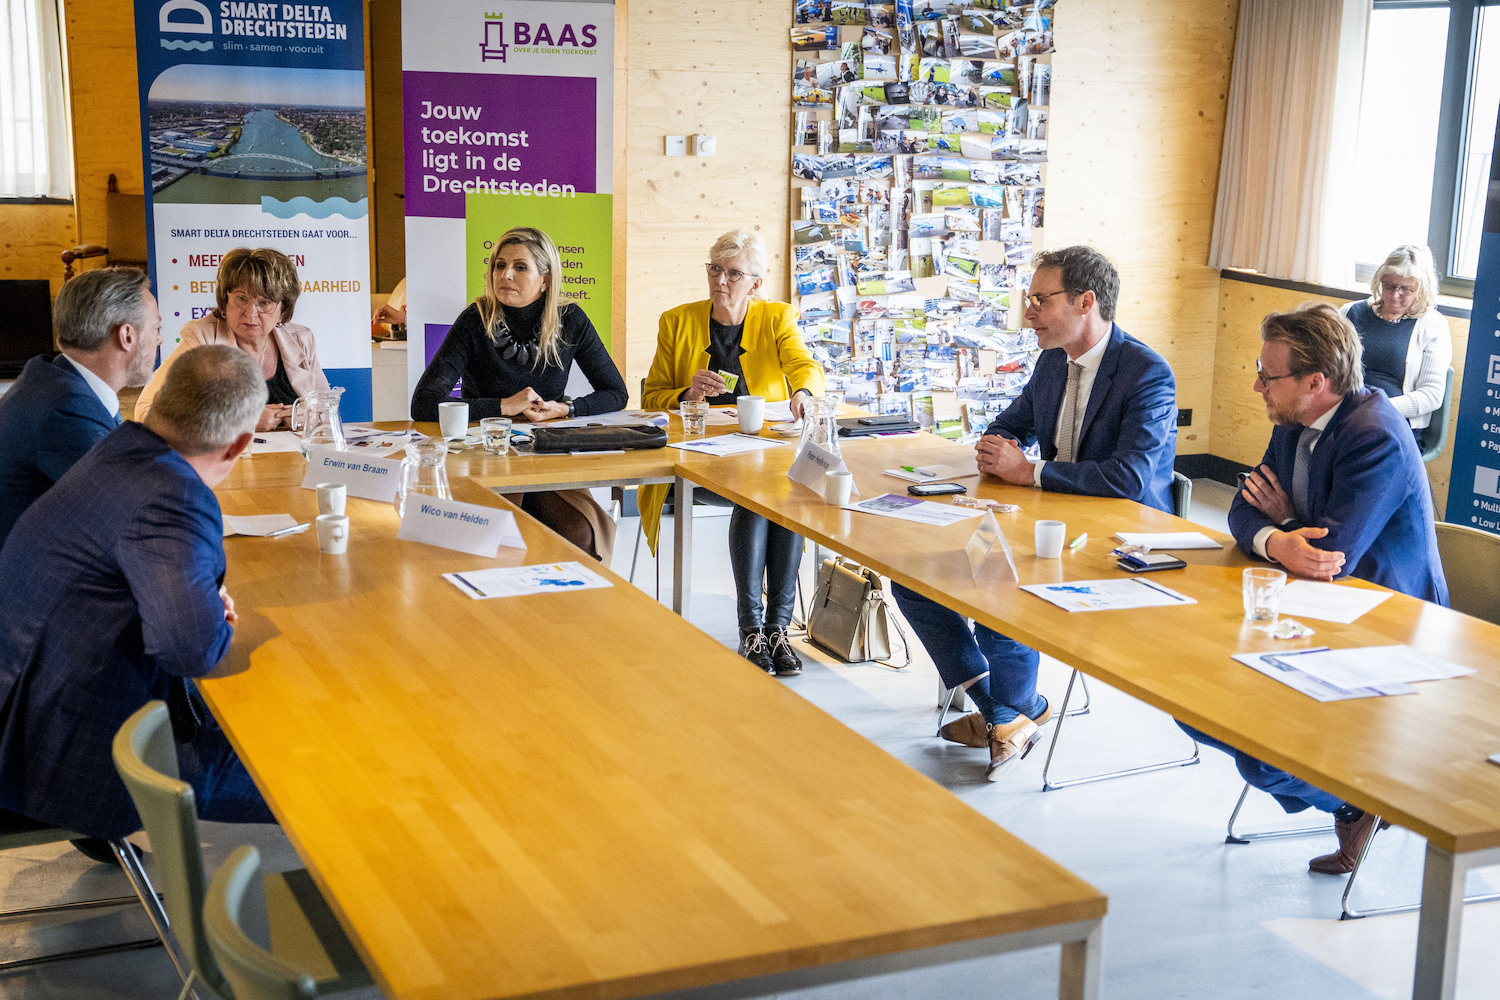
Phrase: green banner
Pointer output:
(580, 225)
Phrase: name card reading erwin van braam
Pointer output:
(371, 478)
(464, 527)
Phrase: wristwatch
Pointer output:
(572, 408)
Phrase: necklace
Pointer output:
(512, 347)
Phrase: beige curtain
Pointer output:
(34, 159)
(1289, 139)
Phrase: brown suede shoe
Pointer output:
(971, 730)
(1009, 745)
(1352, 839)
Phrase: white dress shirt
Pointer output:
(1089, 360)
(107, 396)
(1259, 541)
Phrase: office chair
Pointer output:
(1435, 436)
(304, 926)
(252, 972)
(17, 831)
(1471, 564)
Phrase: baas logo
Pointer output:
(493, 46)
(198, 20)
(537, 37)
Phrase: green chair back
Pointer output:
(146, 758)
(1435, 436)
(253, 972)
(1182, 494)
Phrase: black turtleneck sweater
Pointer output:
(468, 354)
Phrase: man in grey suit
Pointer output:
(107, 329)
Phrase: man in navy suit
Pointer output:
(1341, 491)
(1101, 408)
(107, 329)
(111, 595)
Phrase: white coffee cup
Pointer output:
(453, 420)
(752, 413)
(333, 534)
(1049, 539)
(838, 487)
(332, 497)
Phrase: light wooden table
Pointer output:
(1419, 761)
(580, 795)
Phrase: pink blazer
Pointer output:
(299, 355)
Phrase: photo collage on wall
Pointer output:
(919, 162)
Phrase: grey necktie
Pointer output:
(1299, 472)
(1067, 420)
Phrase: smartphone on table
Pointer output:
(935, 489)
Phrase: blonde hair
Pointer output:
(1409, 261)
(544, 255)
(1320, 340)
(744, 244)
(264, 273)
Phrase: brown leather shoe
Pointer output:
(971, 730)
(1009, 745)
(1352, 839)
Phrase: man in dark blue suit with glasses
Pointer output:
(1101, 408)
(107, 329)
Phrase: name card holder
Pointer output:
(370, 478)
(463, 527)
(981, 547)
(811, 467)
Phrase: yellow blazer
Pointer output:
(775, 361)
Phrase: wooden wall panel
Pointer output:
(1138, 99)
(106, 107)
(34, 238)
(1239, 420)
(686, 74)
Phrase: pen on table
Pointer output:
(261, 441)
(918, 472)
(1078, 542)
(466, 583)
(289, 530)
(1160, 590)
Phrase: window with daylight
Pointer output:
(1426, 133)
(35, 161)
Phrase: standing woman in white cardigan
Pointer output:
(1407, 346)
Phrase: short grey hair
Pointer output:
(212, 395)
(744, 244)
(1409, 261)
(94, 304)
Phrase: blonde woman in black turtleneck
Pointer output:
(513, 348)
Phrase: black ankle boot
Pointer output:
(784, 660)
(754, 648)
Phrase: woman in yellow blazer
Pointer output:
(733, 331)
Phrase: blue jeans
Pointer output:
(1293, 794)
(962, 654)
(222, 789)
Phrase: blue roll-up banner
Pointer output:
(1474, 484)
(253, 132)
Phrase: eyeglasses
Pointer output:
(1035, 301)
(715, 271)
(1264, 380)
(1390, 289)
(245, 302)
